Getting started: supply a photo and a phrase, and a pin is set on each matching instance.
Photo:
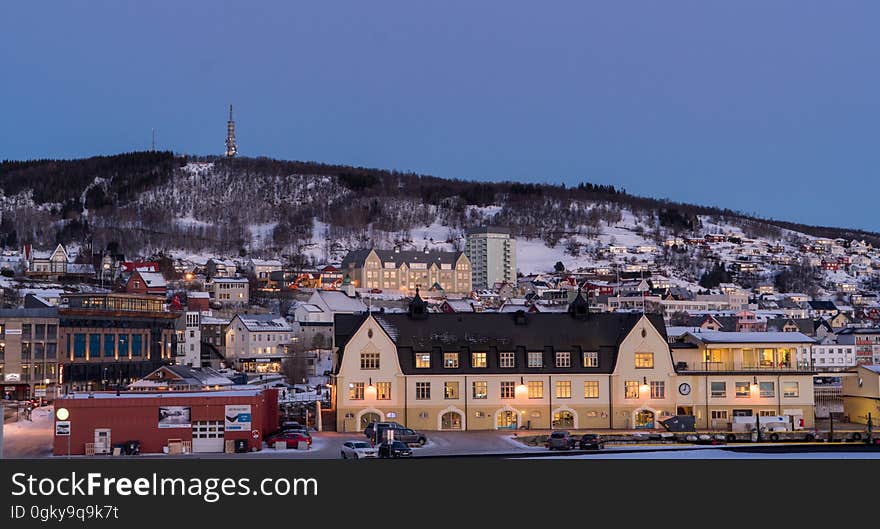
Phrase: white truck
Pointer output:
(768, 423)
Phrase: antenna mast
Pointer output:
(231, 148)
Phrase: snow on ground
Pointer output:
(720, 453)
(534, 257)
(261, 234)
(191, 222)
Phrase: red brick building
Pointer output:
(202, 421)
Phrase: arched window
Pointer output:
(563, 419)
(451, 420)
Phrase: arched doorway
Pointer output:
(644, 419)
(563, 419)
(367, 418)
(507, 419)
(451, 420)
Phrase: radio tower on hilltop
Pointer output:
(231, 149)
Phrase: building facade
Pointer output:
(230, 291)
(258, 343)
(110, 340)
(29, 355)
(197, 422)
(733, 374)
(573, 370)
(492, 253)
(408, 270)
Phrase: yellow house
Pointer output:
(861, 395)
(484, 371)
(409, 270)
(746, 374)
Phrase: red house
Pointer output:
(200, 421)
(146, 283)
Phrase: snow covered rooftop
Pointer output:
(265, 322)
(220, 393)
(337, 302)
(751, 337)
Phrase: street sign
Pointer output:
(40, 390)
(62, 428)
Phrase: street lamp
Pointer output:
(644, 388)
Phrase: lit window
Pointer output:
(591, 389)
(481, 389)
(508, 390)
(591, 359)
(423, 360)
(631, 389)
(790, 389)
(536, 389)
(356, 391)
(383, 390)
(450, 360)
(563, 389)
(450, 390)
(644, 360)
(478, 360)
(743, 389)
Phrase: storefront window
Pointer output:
(136, 345)
(109, 345)
(79, 345)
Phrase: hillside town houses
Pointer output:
(457, 339)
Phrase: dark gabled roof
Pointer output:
(822, 305)
(356, 258)
(503, 332)
(804, 325)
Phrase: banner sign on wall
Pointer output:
(238, 417)
(174, 416)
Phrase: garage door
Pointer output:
(207, 436)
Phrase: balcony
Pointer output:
(741, 367)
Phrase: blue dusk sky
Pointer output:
(768, 107)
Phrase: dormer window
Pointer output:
(536, 359)
(423, 360)
(506, 359)
(591, 359)
(563, 359)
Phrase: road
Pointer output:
(29, 439)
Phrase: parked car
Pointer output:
(357, 450)
(292, 425)
(394, 449)
(409, 436)
(591, 441)
(560, 440)
(293, 439)
(371, 428)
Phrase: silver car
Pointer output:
(358, 450)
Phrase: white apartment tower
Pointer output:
(492, 253)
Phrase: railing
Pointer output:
(739, 366)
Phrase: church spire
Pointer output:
(231, 149)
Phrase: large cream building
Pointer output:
(408, 270)
(576, 370)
